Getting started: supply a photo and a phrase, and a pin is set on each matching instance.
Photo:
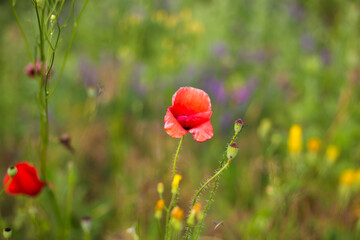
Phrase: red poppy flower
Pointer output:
(26, 181)
(190, 112)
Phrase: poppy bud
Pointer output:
(12, 171)
(238, 125)
(232, 151)
(7, 233)
(26, 181)
(86, 224)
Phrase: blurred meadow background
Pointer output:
(278, 65)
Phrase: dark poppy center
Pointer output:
(191, 121)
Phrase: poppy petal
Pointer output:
(172, 126)
(26, 181)
(202, 132)
(188, 100)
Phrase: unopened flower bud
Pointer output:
(191, 219)
(7, 233)
(86, 224)
(175, 183)
(160, 188)
(12, 171)
(158, 209)
(232, 151)
(194, 211)
(177, 213)
(52, 18)
(238, 125)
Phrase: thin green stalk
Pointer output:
(209, 181)
(69, 201)
(224, 158)
(174, 196)
(44, 116)
(43, 102)
(2, 190)
(21, 30)
(207, 207)
(87, 235)
(167, 219)
(76, 24)
(176, 156)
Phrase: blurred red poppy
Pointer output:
(190, 112)
(26, 181)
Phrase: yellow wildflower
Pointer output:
(197, 207)
(332, 153)
(313, 144)
(194, 27)
(177, 213)
(175, 183)
(159, 205)
(158, 209)
(295, 139)
(357, 176)
(347, 177)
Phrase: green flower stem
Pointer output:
(44, 116)
(2, 190)
(76, 24)
(176, 156)
(69, 202)
(224, 158)
(208, 181)
(12, 3)
(167, 219)
(87, 235)
(213, 191)
(174, 196)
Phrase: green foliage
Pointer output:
(287, 61)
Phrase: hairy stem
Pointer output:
(176, 156)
